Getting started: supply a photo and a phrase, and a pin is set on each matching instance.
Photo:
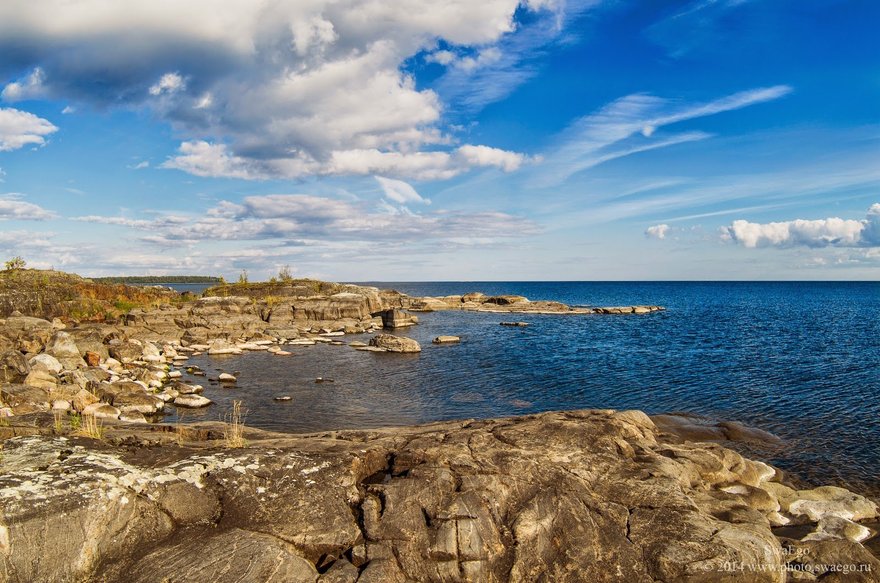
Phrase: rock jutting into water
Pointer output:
(393, 343)
(575, 496)
(478, 302)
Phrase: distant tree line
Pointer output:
(159, 279)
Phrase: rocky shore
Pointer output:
(91, 492)
(130, 367)
(570, 496)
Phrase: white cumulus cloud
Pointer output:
(268, 88)
(488, 156)
(657, 231)
(830, 232)
(30, 87)
(20, 128)
(168, 83)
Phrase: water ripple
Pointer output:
(801, 360)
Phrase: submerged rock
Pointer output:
(446, 340)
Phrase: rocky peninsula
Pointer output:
(90, 491)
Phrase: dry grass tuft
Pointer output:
(58, 417)
(90, 427)
(233, 433)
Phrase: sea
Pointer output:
(798, 359)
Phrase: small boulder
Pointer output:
(83, 399)
(62, 347)
(393, 343)
(14, 367)
(223, 347)
(139, 402)
(102, 411)
(446, 340)
(826, 501)
(192, 401)
(126, 350)
(225, 377)
(41, 378)
(132, 417)
(837, 528)
(92, 358)
(186, 389)
(47, 362)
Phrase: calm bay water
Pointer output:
(801, 360)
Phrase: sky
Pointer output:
(415, 140)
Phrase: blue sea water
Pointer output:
(801, 360)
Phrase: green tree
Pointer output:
(15, 263)
(243, 276)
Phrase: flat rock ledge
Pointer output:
(506, 304)
(566, 496)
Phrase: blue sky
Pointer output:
(417, 140)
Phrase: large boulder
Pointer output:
(398, 319)
(127, 350)
(130, 397)
(41, 378)
(27, 325)
(24, 399)
(393, 343)
(14, 367)
(62, 347)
